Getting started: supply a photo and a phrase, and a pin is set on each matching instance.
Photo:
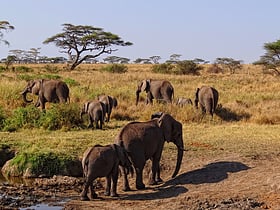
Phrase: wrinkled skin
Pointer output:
(161, 90)
(207, 97)
(96, 113)
(110, 103)
(103, 161)
(53, 91)
(145, 140)
(183, 101)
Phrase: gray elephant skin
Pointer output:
(54, 91)
(110, 103)
(145, 140)
(103, 161)
(207, 97)
(183, 102)
(161, 90)
(96, 113)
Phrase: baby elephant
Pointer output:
(183, 101)
(104, 161)
(96, 113)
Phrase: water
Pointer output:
(28, 182)
(42, 206)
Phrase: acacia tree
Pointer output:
(5, 26)
(271, 59)
(85, 42)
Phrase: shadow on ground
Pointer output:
(211, 173)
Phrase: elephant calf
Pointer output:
(110, 103)
(104, 161)
(183, 101)
(96, 113)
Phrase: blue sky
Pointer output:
(204, 29)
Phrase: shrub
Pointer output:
(23, 117)
(2, 118)
(115, 68)
(187, 67)
(51, 68)
(71, 82)
(23, 69)
(60, 116)
(164, 68)
(214, 68)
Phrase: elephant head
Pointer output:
(172, 131)
(142, 86)
(33, 87)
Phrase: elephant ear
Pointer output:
(145, 86)
(166, 123)
(86, 105)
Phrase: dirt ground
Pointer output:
(229, 182)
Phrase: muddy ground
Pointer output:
(228, 182)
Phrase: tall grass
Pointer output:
(247, 118)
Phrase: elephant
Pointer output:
(103, 161)
(183, 101)
(161, 90)
(96, 113)
(110, 103)
(207, 97)
(54, 91)
(145, 140)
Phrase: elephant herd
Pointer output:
(137, 142)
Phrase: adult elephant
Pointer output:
(54, 91)
(96, 113)
(207, 97)
(145, 140)
(103, 161)
(161, 90)
(110, 103)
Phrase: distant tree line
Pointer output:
(84, 44)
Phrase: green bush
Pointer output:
(23, 117)
(115, 68)
(40, 163)
(164, 68)
(2, 118)
(58, 116)
(23, 69)
(51, 68)
(187, 67)
(71, 82)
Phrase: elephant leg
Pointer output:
(90, 122)
(125, 180)
(139, 178)
(93, 195)
(155, 175)
(87, 184)
(114, 177)
(108, 185)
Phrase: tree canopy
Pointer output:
(271, 59)
(85, 42)
(5, 26)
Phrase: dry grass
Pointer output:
(247, 121)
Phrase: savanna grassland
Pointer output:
(241, 144)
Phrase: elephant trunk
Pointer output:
(137, 96)
(24, 93)
(179, 160)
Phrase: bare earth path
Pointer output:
(229, 182)
(225, 183)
